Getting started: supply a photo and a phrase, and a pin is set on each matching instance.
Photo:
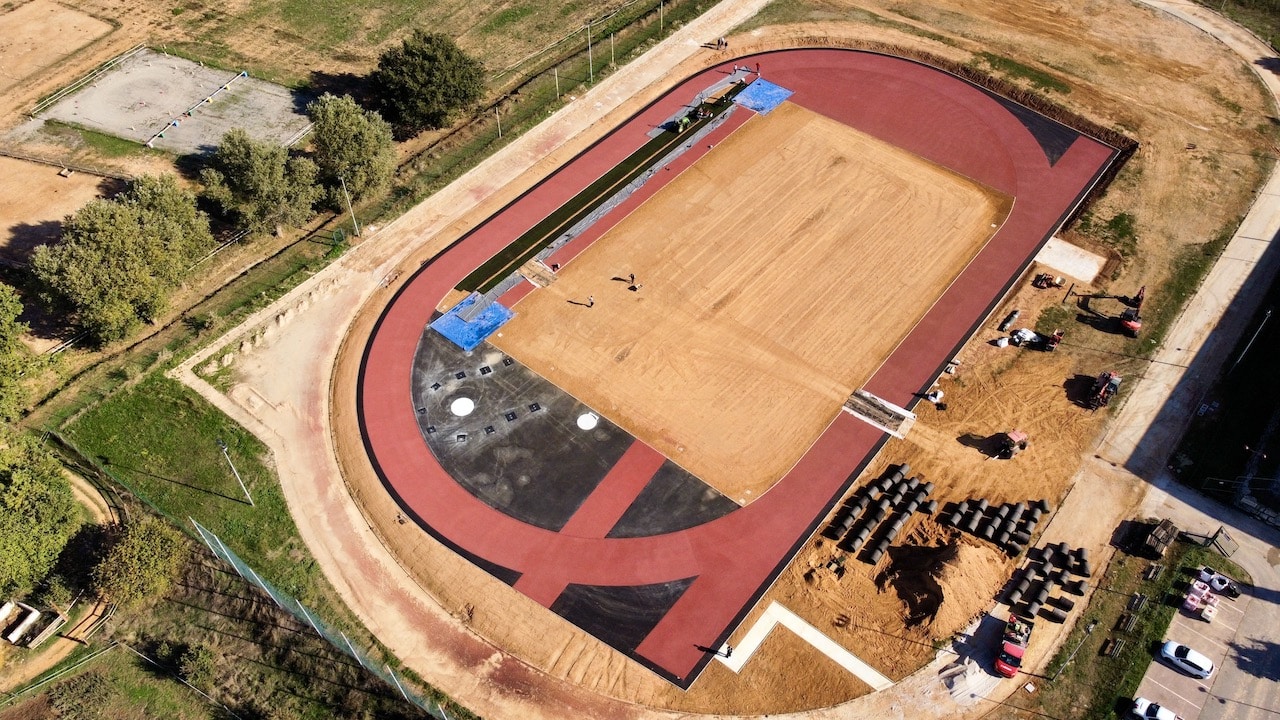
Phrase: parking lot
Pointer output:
(1181, 693)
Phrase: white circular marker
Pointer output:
(588, 421)
(462, 406)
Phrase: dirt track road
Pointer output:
(287, 372)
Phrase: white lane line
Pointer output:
(1168, 689)
(1230, 606)
(775, 615)
(1188, 628)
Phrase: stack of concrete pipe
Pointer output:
(1052, 568)
(1010, 525)
(877, 513)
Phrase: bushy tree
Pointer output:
(37, 512)
(119, 259)
(423, 81)
(259, 185)
(142, 563)
(350, 144)
(197, 665)
(15, 359)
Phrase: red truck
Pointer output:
(1017, 633)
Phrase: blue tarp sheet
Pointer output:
(467, 335)
(762, 96)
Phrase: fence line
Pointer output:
(90, 77)
(301, 613)
(87, 169)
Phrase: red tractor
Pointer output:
(1131, 318)
(1104, 388)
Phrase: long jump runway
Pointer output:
(592, 542)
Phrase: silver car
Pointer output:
(1187, 660)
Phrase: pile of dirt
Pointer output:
(941, 578)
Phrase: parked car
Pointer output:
(1187, 660)
(1219, 583)
(1144, 708)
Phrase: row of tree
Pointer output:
(120, 259)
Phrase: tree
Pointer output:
(422, 82)
(352, 144)
(37, 512)
(119, 259)
(259, 184)
(15, 359)
(197, 665)
(142, 563)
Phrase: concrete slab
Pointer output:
(1068, 259)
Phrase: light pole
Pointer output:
(591, 60)
(350, 209)
(235, 472)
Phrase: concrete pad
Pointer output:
(1068, 259)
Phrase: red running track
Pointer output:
(732, 560)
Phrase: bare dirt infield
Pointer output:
(36, 35)
(775, 275)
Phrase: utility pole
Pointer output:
(499, 116)
(613, 61)
(591, 61)
(235, 472)
(556, 72)
(662, 17)
(1088, 630)
(353, 223)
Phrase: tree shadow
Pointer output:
(318, 83)
(25, 237)
(1269, 63)
(1259, 658)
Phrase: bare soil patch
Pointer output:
(34, 199)
(36, 35)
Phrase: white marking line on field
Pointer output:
(775, 615)
(1171, 692)
(1184, 625)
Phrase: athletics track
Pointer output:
(713, 574)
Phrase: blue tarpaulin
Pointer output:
(762, 96)
(467, 335)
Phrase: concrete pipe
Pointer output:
(1056, 615)
(1002, 537)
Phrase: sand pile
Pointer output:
(941, 579)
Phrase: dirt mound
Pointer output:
(941, 577)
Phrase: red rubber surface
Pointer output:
(732, 559)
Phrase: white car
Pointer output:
(1187, 660)
(1218, 582)
(1144, 708)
